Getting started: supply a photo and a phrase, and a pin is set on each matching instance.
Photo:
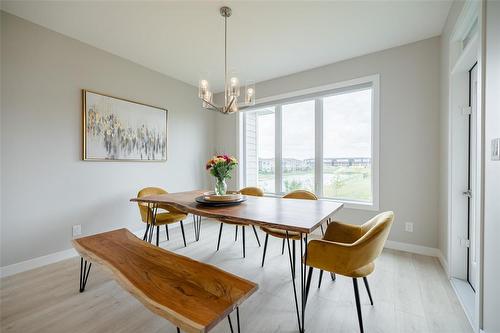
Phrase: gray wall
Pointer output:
(491, 264)
(46, 187)
(409, 127)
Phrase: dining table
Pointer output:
(289, 215)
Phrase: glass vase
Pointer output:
(220, 186)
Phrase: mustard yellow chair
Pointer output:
(298, 194)
(168, 216)
(350, 250)
(252, 191)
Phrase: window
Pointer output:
(324, 140)
(347, 156)
(260, 149)
(297, 163)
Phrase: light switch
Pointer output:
(495, 149)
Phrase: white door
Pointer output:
(472, 253)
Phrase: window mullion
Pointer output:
(318, 144)
(243, 158)
(278, 139)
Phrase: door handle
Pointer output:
(467, 193)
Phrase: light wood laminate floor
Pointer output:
(411, 294)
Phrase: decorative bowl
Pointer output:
(228, 197)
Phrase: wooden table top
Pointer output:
(192, 295)
(286, 214)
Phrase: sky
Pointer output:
(346, 128)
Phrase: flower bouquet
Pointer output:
(220, 167)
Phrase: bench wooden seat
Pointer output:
(193, 296)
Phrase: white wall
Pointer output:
(46, 187)
(409, 126)
(491, 264)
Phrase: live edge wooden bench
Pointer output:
(192, 295)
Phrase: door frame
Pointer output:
(461, 60)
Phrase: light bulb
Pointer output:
(250, 93)
(202, 88)
(234, 87)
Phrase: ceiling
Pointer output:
(184, 39)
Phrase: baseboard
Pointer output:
(412, 248)
(36, 262)
(444, 263)
(69, 253)
(30, 264)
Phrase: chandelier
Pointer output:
(231, 84)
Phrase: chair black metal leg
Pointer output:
(358, 304)
(368, 289)
(157, 235)
(166, 231)
(243, 235)
(320, 278)
(220, 234)
(183, 234)
(283, 247)
(294, 257)
(322, 231)
(236, 233)
(308, 283)
(333, 276)
(256, 236)
(84, 273)
(146, 233)
(265, 248)
(151, 232)
(178, 330)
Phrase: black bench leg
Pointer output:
(237, 321)
(166, 231)
(236, 233)
(230, 324)
(283, 247)
(84, 273)
(238, 318)
(320, 278)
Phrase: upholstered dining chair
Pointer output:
(298, 194)
(350, 250)
(167, 216)
(252, 191)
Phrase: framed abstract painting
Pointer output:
(116, 129)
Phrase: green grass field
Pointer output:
(349, 183)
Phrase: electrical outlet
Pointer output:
(409, 226)
(77, 230)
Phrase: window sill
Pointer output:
(347, 204)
